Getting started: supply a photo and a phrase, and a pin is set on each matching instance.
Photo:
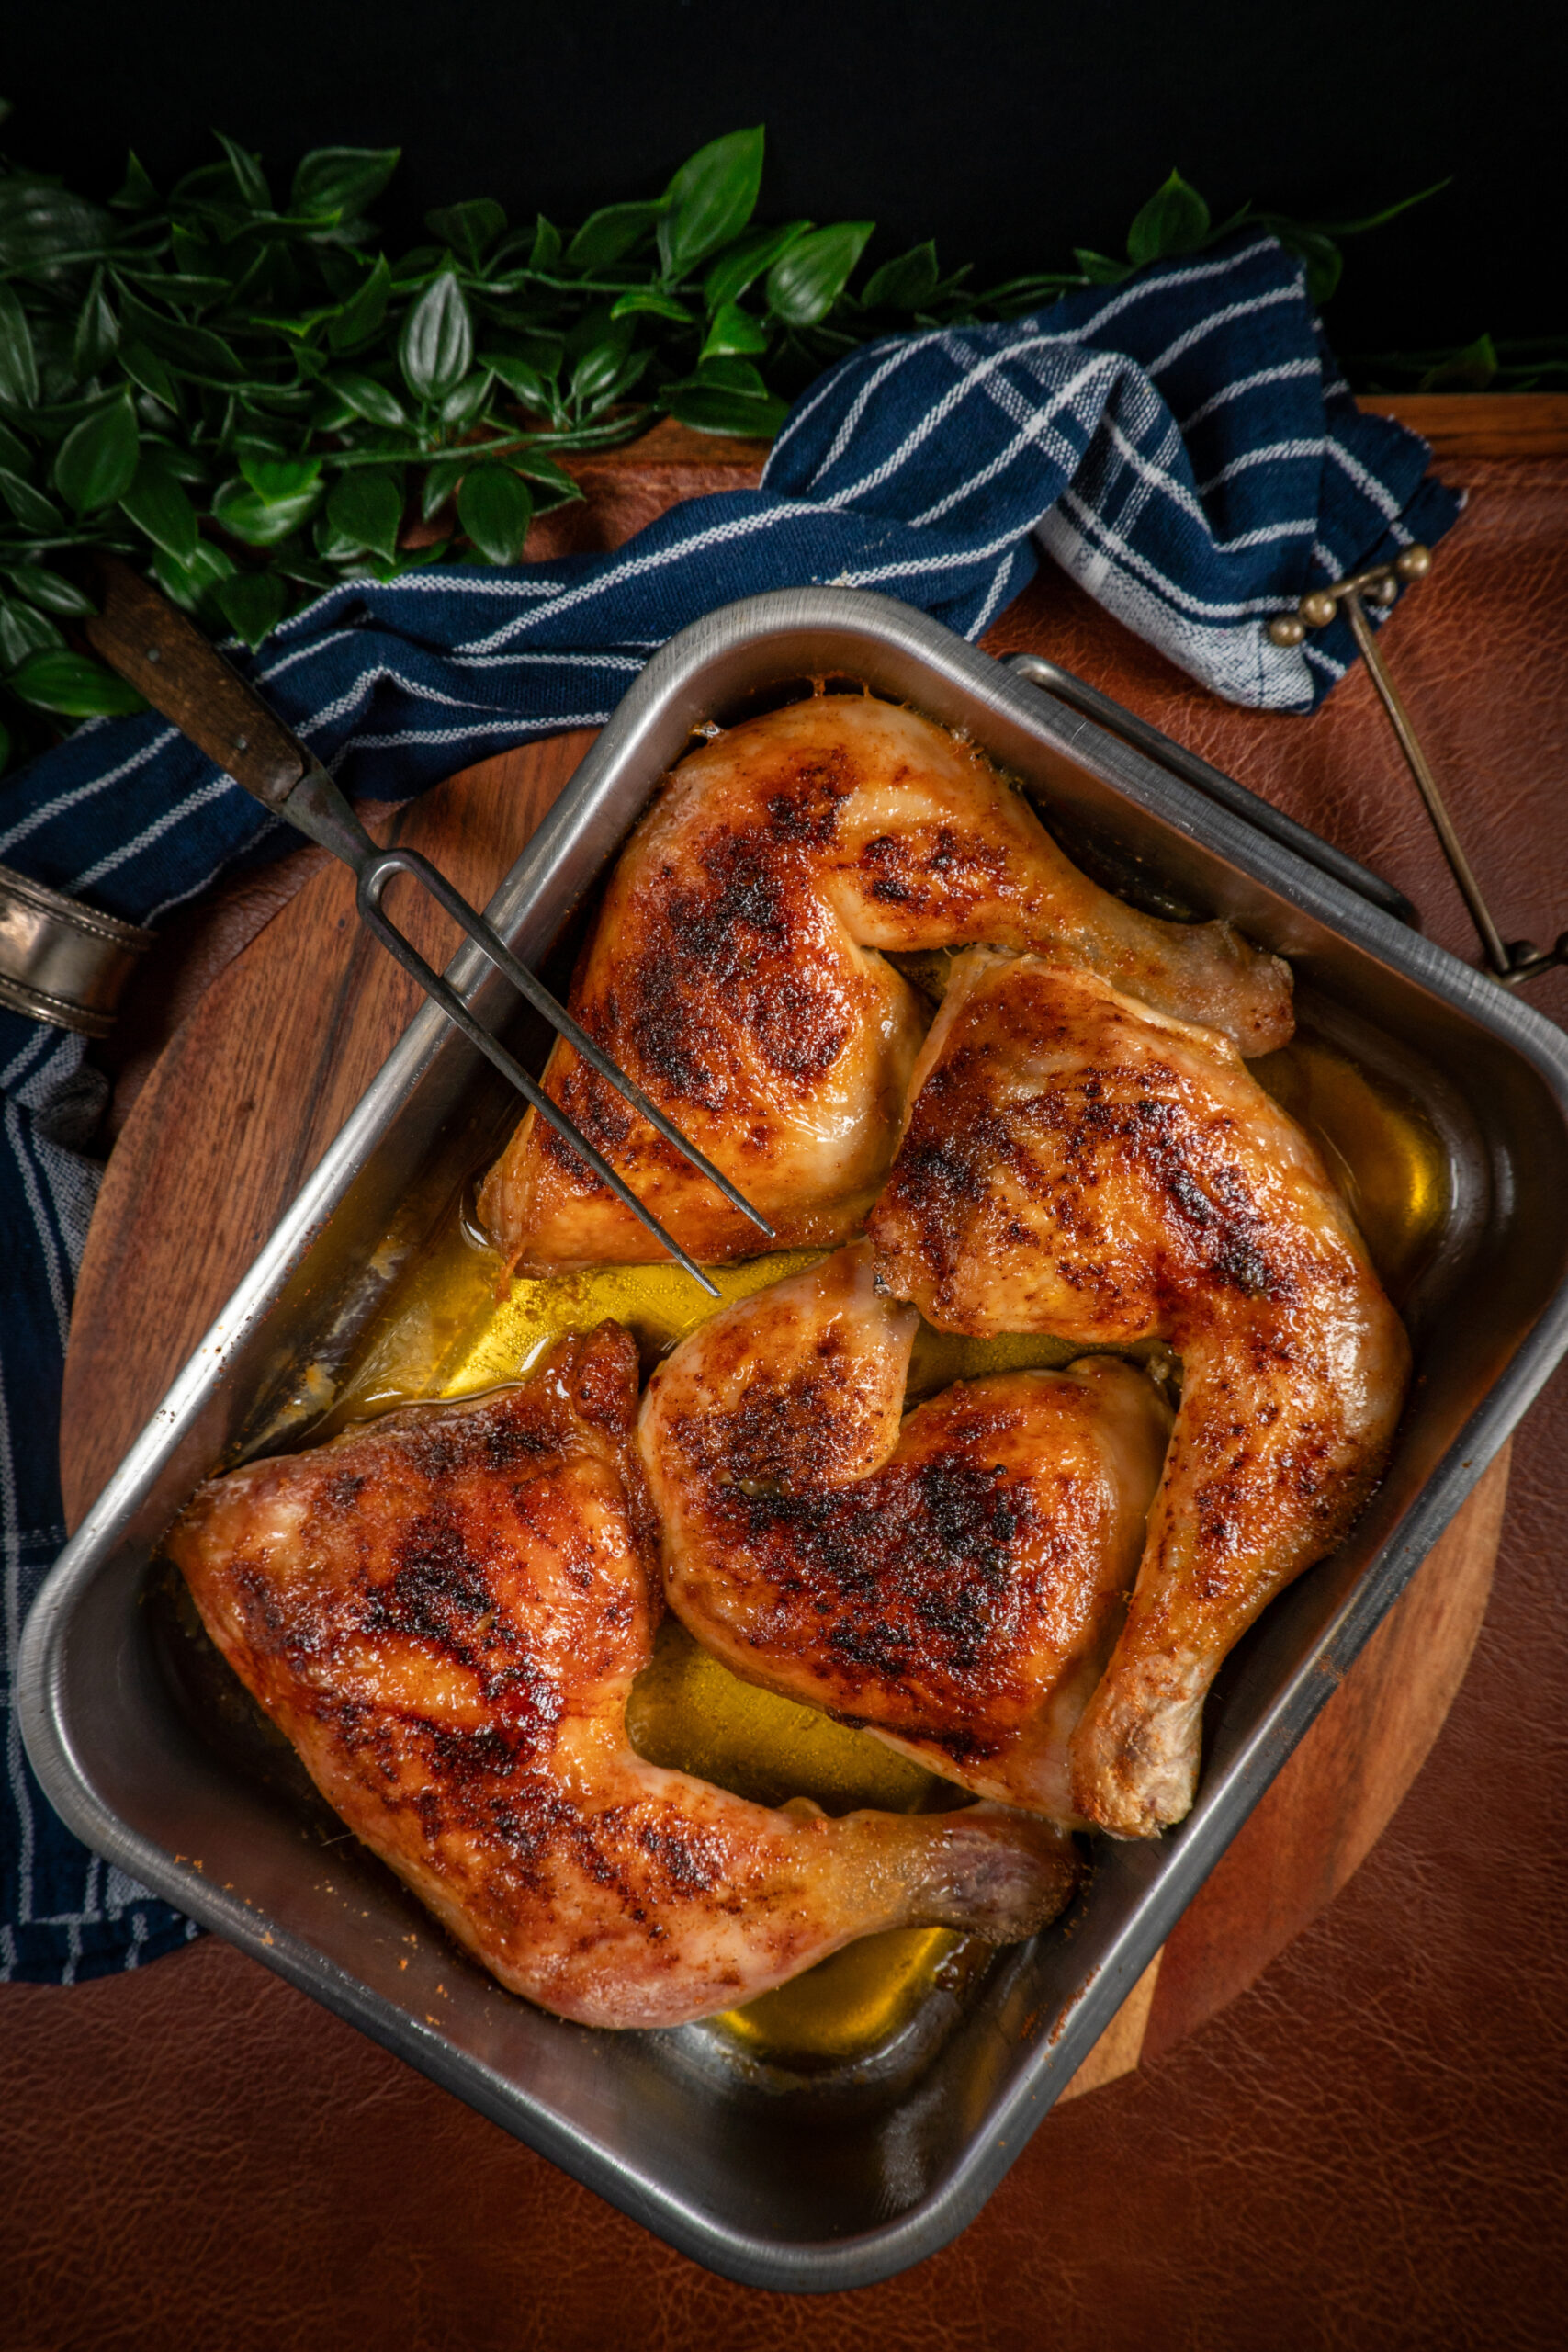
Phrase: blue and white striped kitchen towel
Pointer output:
(1181, 444)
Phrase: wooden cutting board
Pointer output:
(252, 1088)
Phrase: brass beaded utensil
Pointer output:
(142, 636)
(1379, 584)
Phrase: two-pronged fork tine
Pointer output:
(371, 883)
(486, 938)
(167, 659)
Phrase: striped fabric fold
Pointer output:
(1182, 445)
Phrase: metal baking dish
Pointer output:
(785, 2193)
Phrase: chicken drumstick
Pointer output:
(1076, 1163)
(953, 1585)
(737, 972)
(445, 1610)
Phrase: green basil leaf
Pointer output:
(650, 299)
(73, 687)
(197, 259)
(1173, 221)
(289, 565)
(253, 603)
(545, 252)
(157, 503)
(472, 227)
(48, 590)
(361, 316)
(248, 175)
(733, 330)
(96, 463)
(189, 466)
(189, 585)
(334, 549)
(339, 182)
(1380, 220)
(196, 351)
(136, 192)
(1323, 258)
(207, 184)
(519, 377)
(1019, 294)
(144, 367)
(259, 520)
(608, 234)
(710, 199)
(495, 510)
(274, 477)
(464, 403)
(746, 261)
(414, 264)
(441, 480)
(14, 453)
(418, 561)
(906, 284)
(32, 510)
(40, 222)
(710, 408)
(736, 375)
(597, 369)
(98, 331)
(375, 402)
(1470, 370)
(1099, 268)
(24, 630)
(605, 395)
(365, 507)
(18, 362)
(805, 283)
(543, 470)
(437, 341)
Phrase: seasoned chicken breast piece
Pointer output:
(737, 971)
(953, 1581)
(1076, 1163)
(445, 1610)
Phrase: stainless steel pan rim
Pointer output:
(1518, 1062)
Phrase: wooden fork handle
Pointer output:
(150, 642)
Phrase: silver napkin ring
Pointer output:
(62, 962)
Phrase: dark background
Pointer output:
(1010, 130)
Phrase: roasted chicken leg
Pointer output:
(953, 1585)
(445, 1610)
(737, 970)
(1076, 1163)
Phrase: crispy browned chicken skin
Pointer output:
(444, 1610)
(953, 1582)
(1076, 1163)
(737, 970)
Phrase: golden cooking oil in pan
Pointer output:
(448, 1334)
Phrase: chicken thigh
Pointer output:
(737, 972)
(953, 1585)
(445, 1610)
(1076, 1163)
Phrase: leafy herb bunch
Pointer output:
(247, 397)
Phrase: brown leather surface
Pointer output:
(1364, 2150)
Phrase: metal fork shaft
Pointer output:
(375, 920)
(319, 809)
(373, 880)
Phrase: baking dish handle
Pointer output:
(1090, 703)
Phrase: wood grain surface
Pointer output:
(258, 1081)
